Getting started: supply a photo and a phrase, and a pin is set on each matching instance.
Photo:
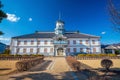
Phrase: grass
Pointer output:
(97, 63)
(7, 66)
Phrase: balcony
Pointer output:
(60, 42)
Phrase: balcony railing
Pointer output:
(60, 42)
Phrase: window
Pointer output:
(51, 42)
(31, 50)
(93, 41)
(68, 49)
(81, 49)
(94, 50)
(68, 41)
(38, 50)
(19, 42)
(24, 50)
(80, 41)
(38, 42)
(86, 41)
(32, 42)
(45, 49)
(51, 49)
(87, 50)
(17, 50)
(45, 41)
(74, 41)
(74, 49)
(25, 42)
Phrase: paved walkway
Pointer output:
(52, 69)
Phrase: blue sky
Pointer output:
(87, 16)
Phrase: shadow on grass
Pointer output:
(84, 74)
(35, 76)
(5, 69)
(44, 76)
(41, 67)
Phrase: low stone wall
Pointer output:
(94, 58)
(18, 57)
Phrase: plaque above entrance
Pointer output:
(55, 42)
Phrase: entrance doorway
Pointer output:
(60, 51)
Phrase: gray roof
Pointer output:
(52, 34)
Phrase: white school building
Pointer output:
(57, 43)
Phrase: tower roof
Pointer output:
(60, 21)
(59, 18)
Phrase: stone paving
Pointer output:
(55, 68)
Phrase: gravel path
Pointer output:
(55, 68)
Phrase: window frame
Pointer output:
(74, 41)
(32, 42)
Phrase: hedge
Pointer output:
(27, 64)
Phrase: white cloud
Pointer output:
(30, 19)
(103, 32)
(4, 39)
(1, 36)
(12, 17)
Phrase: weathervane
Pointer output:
(59, 15)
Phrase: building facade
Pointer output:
(57, 43)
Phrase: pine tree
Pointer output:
(2, 15)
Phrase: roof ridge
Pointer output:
(45, 32)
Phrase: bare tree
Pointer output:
(114, 12)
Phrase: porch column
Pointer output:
(55, 51)
(64, 52)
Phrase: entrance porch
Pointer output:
(60, 51)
